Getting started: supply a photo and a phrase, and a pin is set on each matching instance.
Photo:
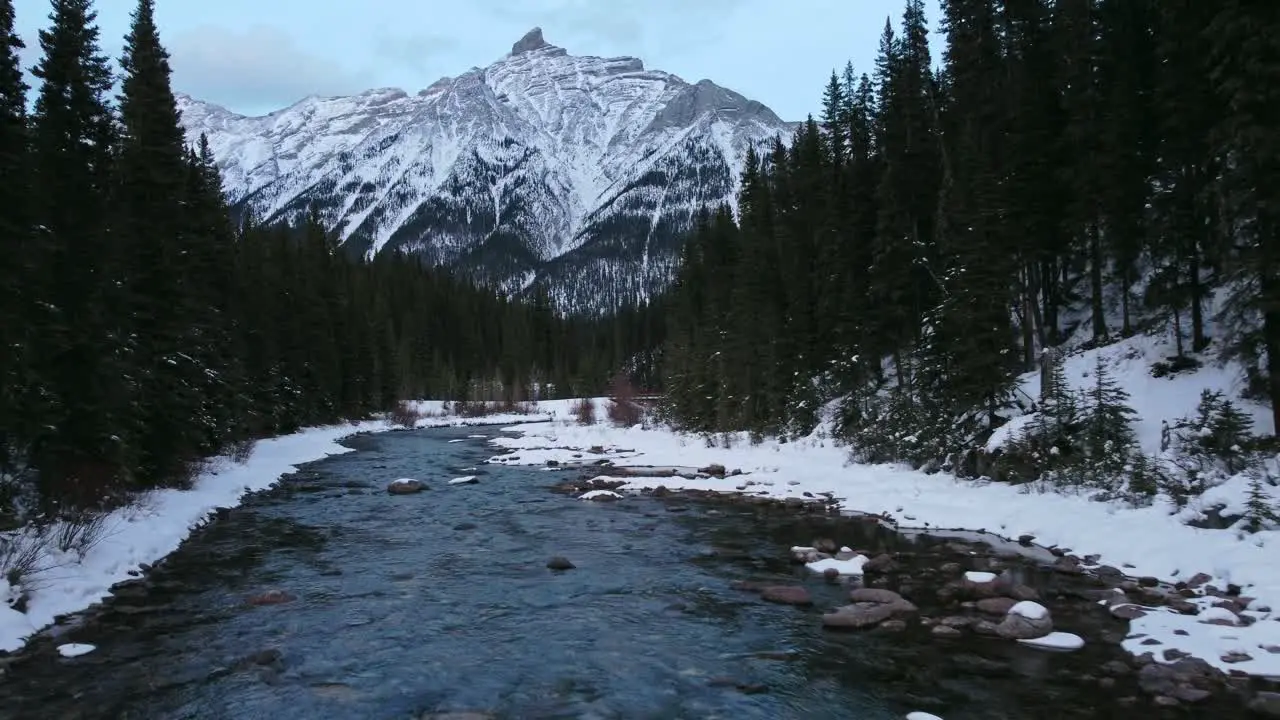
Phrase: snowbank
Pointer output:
(1144, 541)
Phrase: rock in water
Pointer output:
(560, 563)
(786, 595)
(1025, 621)
(271, 597)
(406, 486)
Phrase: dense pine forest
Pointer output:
(1071, 169)
(142, 330)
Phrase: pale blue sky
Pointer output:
(255, 56)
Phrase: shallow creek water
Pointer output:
(440, 602)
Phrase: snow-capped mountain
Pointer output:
(581, 173)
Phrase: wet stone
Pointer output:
(560, 563)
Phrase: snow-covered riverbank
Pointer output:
(1143, 542)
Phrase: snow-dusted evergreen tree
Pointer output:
(1261, 511)
(1219, 430)
(1109, 439)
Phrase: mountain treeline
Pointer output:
(141, 329)
(1071, 168)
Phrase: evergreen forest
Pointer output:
(1068, 170)
(143, 330)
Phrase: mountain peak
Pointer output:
(532, 40)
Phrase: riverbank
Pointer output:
(61, 570)
(1196, 566)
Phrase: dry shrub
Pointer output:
(482, 408)
(404, 414)
(524, 407)
(78, 531)
(585, 411)
(241, 450)
(20, 554)
(623, 410)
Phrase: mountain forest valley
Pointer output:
(1045, 259)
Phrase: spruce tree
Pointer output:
(1245, 71)
(166, 299)
(1109, 439)
(81, 345)
(14, 242)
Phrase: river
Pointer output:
(408, 606)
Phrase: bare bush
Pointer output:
(20, 555)
(623, 409)
(585, 411)
(78, 531)
(482, 408)
(404, 414)
(241, 450)
(524, 407)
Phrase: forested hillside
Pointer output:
(141, 330)
(1074, 173)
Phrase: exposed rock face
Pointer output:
(532, 40)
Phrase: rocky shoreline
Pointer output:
(965, 588)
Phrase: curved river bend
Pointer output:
(408, 606)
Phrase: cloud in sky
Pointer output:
(254, 56)
(257, 68)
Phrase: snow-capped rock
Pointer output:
(581, 173)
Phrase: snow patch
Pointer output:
(70, 650)
(1029, 610)
(852, 566)
(593, 494)
(1056, 641)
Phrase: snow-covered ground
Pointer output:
(1150, 541)
(159, 521)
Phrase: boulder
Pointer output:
(1128, 611)
(1266, 704)
(882, 563)
(1025, 621)
(996, 606)
(560, 563)
(876, 595)
(859, 615)
(406, 486)
(786, 595)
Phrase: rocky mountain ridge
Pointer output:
(581, 174)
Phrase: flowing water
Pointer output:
(441, 602)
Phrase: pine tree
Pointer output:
(79, 344)
(1245, 62)
(166, 296)
(1109, 439)
(14, 236)
(1260, 507)
(1076, 38)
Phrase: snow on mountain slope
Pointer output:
(580, 173)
